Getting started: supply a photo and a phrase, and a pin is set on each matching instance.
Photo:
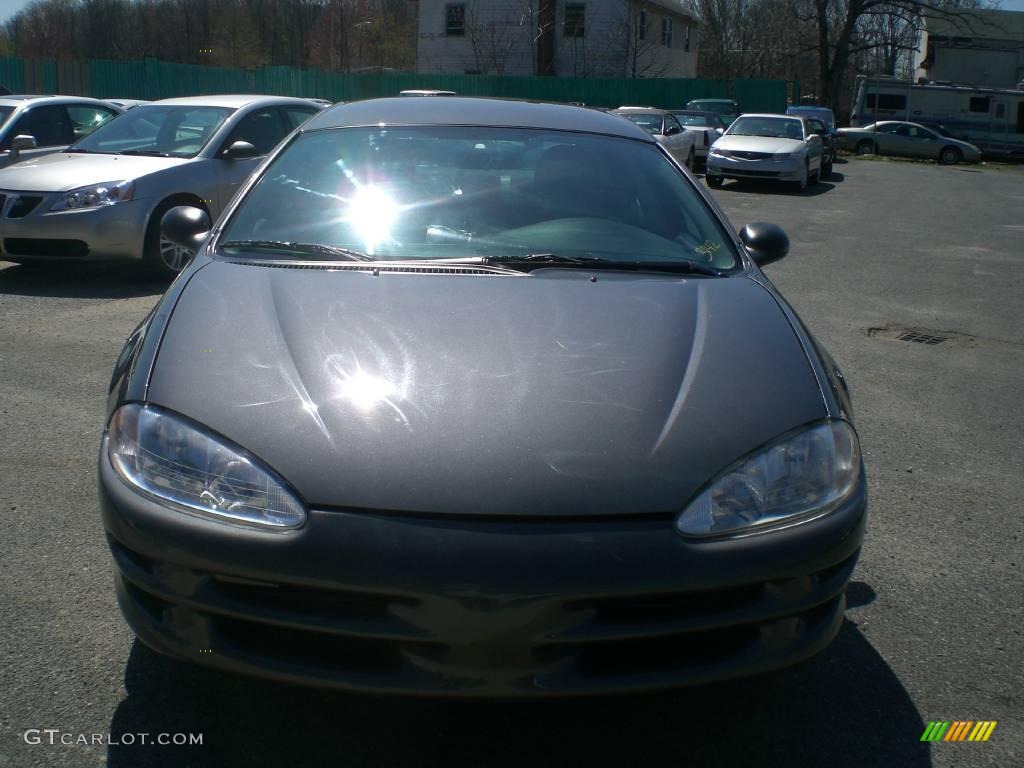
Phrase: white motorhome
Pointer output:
(990, 118)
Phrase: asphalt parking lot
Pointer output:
(933, 629)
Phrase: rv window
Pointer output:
(870, 101)
(1020, 117)
(979, 104)
(892, 101)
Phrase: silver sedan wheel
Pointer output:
(174, 256)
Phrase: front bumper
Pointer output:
(382, 602)
(767, 169)
(87, 234)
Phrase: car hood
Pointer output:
(547, 395)
(758, 144)
(63, 171)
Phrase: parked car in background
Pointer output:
(824, 114)
(126, 103)
(767, 148)
(830, 142)
(895, 137)
(32, 126)
(666, 130)
(707, 127)
(727, 109)
(545, 431)
(103, 197)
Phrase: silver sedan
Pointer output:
(767, 148)
(895, 137)
(103, 197)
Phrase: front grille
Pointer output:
(757, 174)
(23, 205)
(38, 246)
(744, 155)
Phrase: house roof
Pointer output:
(983, 24)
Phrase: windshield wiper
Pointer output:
(319, 249)
(595, 262)
(144, 152)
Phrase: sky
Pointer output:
(10, 7)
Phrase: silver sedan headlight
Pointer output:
(798, 477)
(789, 155)
(720, 152)
(96, 195)
(188, 469)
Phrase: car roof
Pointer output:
(639, 111)
(16, 100)
(772, 114)
(233, 100)
(461, 110)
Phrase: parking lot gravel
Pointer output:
(934, 622)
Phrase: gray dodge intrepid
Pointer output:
(476, 397)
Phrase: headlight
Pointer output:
(190, 470)
(95, 195)
(799, 476)
(788, 155)
(721, 152)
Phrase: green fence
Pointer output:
(153, 79)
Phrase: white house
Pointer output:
(567, 38)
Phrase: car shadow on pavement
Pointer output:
(84, 281)
(845, 708)
(775, 188)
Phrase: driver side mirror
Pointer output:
(672, 130)
(764, 242)
(240, 150)
(21, 142)
(185, 225)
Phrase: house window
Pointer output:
(666, 32)
(575, 17)
(689, 29)
(643, 25)
(979, 104)
(455, 20)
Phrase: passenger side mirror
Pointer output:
(185, 225)
(22, 141)
(764, 242)
(240, 150)
(672, 130)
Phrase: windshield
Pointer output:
(163, 130)
(718, 107)
(772, 127)
(458, 192)
(650, 123)
(691, 119)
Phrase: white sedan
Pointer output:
(666, 130)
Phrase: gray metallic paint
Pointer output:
(492, 382)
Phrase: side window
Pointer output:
(888, 128)
(86, 118)
(979, 104)
(672, 125)
(49, 124)
(903, 130)
(296, 116)
(892, 101)
(262, 128)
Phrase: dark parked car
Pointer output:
(474, 397)
(830, 144)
